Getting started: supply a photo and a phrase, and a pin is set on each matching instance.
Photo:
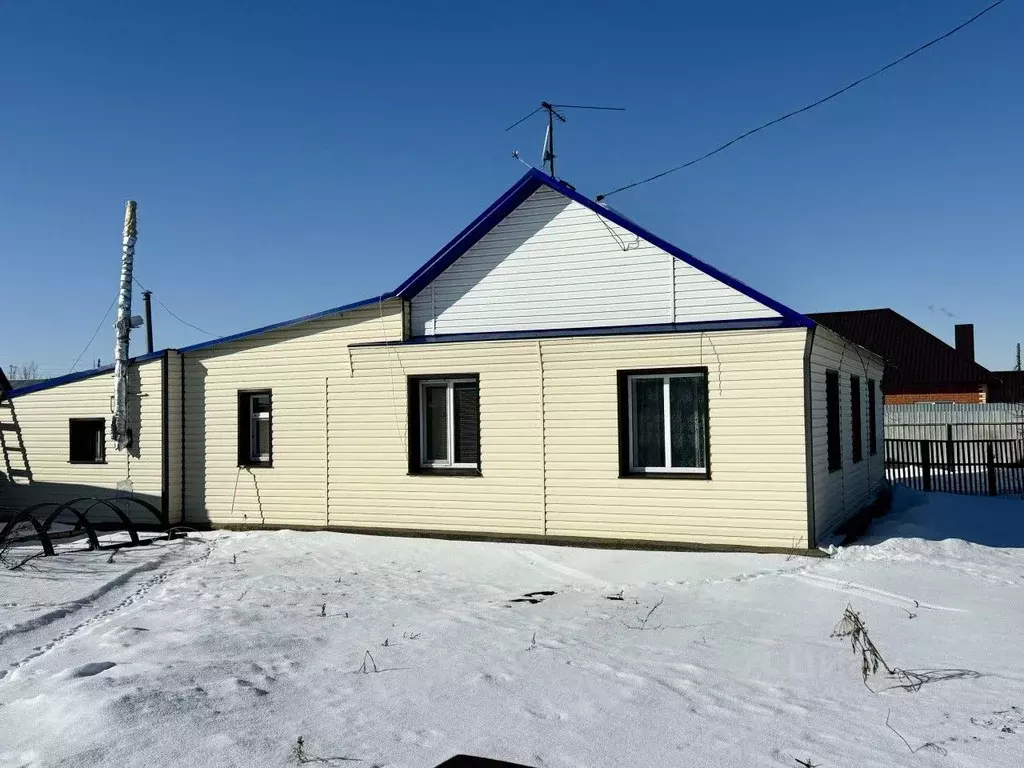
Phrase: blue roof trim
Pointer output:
(286, 323)
(78, 376)
(529, 184)
(607, 330)
(515, 196)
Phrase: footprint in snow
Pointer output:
(91, 669)
(247, 684)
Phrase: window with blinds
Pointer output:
(663, 422)
(444, 424)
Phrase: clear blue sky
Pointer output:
(290, 157)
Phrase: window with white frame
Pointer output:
(444, 424)
(663, 422)
(255, 447)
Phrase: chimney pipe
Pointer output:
(964, 334)
(146, 297)
(119, 423)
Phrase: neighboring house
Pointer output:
(1007, 387)
(555, 372)
(5, 383)
(919, 367)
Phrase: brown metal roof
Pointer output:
(914, 357)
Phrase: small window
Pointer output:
(87, 440)
(856, 425)
(835, 445)
(255, 429)
(444, 424)
(663, 423)
(872, 419)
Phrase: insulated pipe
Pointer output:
(119, 424)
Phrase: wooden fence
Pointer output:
(977, 467)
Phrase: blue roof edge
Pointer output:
(287, 323)
(79, 376)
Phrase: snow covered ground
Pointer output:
(223, 650)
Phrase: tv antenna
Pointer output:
(548, 152)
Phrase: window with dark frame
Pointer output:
(444, 424)
(835, 445)
(663, 423)
(255, 428)
(872, 419)
(87, 441)
(856, 424)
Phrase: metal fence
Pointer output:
(977, 467)
(989, 421)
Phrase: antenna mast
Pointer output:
(548, 153)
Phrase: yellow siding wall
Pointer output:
(42, 418)
(369, 481)
(295, 364)
(549, 435)
(757, 494)
(173, 389)
(843, 492)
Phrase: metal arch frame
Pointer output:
(42, 528)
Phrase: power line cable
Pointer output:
(817, 103)
(168, 311)
(94, 333)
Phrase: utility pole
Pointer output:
(1017, 368)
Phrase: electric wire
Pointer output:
(808, 107)
(94, 333)
(169, 312)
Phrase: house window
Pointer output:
(255, 429)
(835, 445)
(663, 423)
(444, 424)
(87, 441)
(856, 425)
(872, 419)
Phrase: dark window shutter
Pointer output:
(414, 424)
(466, 398)
(835, 446)
(243, 429)
(872, 419)
(623, 391)
(856, 424)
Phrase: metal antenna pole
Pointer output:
(548, 153)
(1018, 356)
(551, 140)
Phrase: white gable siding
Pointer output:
(552, 263)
